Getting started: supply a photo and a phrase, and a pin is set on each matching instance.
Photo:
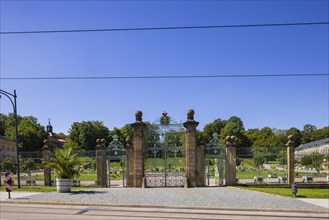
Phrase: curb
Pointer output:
(163, 206)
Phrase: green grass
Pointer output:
(44, 188)
(310, 193)
(88, 176)
(32, 189)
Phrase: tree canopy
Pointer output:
(86, 133)
(30, 133)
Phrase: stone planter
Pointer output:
(63, 185)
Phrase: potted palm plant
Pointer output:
(65, 162)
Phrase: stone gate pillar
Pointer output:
(101, 163)
(290, 160)
(194, 154)
(230, 178)
(137, 161)
(46, 158)
(200, 165)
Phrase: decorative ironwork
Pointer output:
(164, 154)
(215, 159)
(116, 153)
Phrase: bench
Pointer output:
(75, 182)
(282, 179)
(307, 179)
(258, 179)
(31, 183)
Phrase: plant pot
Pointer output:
(63, 185)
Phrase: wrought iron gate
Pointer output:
(164, 153)
(215, 162)
(116, 161)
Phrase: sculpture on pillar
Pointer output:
(190, 115)
(138, 116)
(230, 140)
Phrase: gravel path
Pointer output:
(212, 197)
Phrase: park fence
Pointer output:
(261, 165)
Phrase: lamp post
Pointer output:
(14, 104)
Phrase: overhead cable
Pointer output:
(162, 28)
(163, 76)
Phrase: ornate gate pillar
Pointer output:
(290, 160)
(230, 161)
(136, 164)
(194, 154)
(101, 163)
(46, 158)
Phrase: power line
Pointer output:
(162, 28)
(164, 77)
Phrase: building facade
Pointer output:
(320, 146)
(7, 149)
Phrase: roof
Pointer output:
(313, 144)
(6, 138)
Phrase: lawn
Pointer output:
(43, 188)
(309, 193)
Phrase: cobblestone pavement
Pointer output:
(208, 197)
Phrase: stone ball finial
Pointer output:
(139, 115)
(190, 114)
(291, 141)
(103, 141)
(98, 141)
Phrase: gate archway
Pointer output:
(164, 153)
(116, 161)
(215, 162)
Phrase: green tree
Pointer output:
(313, 160)
(320, 134)
(71, 144)
(127, 132)
(2, 124)
(213, 127)
(308, 129)
(237, 121)
(30, 133)
(282, 157)
(29, 165)
(236, 129)
(61, 135)
(86, 133)
(8, 165)
(264, 143)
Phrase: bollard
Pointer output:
(294, 189)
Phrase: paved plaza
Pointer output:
(208, 197)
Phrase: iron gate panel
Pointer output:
(164, 154)
(116, 153)
(215, 161)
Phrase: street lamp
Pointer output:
(13, 102)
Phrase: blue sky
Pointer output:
(277, 102)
